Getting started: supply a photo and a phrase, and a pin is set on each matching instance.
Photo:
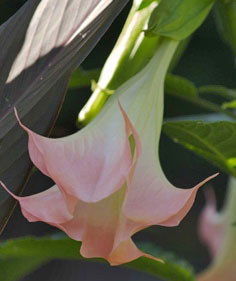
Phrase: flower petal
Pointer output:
(104, 230)
(48, 206)
(96, 225)
(127, 252)
(91, 164)
(211, 224)
(226, 272)
(218, 232)
(151, 199)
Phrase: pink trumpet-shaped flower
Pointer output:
(106, 187)
(218, 231)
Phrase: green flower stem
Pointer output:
(226, 15)
(131, 53)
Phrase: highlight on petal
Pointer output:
(91, 164)
(211, 224)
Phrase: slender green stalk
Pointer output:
(131, 53)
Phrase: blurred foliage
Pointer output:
(60, 246)
(178, 19)
(207, 60)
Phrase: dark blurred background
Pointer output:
(207, 60)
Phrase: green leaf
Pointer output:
(225, 11)
(213, 141)
(61, 247)
(46, 247)
(144, 4)
(180, 86)
(186, 90)
(226, 93)
(177, 19)
(14, 268)
(231, 105)
(173, 268)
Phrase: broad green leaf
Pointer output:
(46, 247)
(13, 269)
(213, 141)
(177, 19)
(62, 247)
(173, 269)
(40, 46)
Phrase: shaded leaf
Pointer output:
(226, 21)
(49, 39)
(83, 78)
(180, 86)
(63, 247)
(173, 269)
(186, 90)
(14, 268)
(213, 141)
(177, 19)
(222, 91)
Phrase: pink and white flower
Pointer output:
(108, 180)
(218, 231)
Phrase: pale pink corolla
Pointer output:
(218, 232)
(109, 182)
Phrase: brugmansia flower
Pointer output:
(109, 182)
(218, 231)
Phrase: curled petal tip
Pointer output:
(215, 175)
(18, 119)
(16, 114)
(8, 191)
(154, 258)
(207, 179)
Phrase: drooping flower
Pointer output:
(218, 231)
(109, 182)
